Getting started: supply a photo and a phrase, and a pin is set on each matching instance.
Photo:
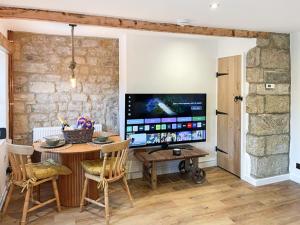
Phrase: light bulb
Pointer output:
(214, 5)
(73, 82)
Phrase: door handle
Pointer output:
(238, 98)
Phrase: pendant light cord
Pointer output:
(73, 63)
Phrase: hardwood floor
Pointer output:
(222, 200)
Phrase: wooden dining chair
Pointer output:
(107, 170)
(28, 175)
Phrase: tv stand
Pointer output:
(168, 147)
(189, 163)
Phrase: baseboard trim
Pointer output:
(3, 197)
(295, 178)
(265, 181)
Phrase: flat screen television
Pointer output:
(162, 119)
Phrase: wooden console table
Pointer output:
(150, 160)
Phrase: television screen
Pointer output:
(156, 119)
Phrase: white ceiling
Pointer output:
(260, 15)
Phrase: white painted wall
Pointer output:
(162, 64)
(231, 47)
(295, 107)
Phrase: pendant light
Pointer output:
(73, 63)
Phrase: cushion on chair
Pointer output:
(94, 167)
(46, 169)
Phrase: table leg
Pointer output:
(70, 187)
(154, 176)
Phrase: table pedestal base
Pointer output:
(70, 187)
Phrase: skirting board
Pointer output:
(266, 181)
(295, 178)
(167, 168)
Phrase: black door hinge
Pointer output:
(220, 150)
(221, 74)
(220, 113)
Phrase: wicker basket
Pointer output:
(78, 136)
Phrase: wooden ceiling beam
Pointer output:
(64, 17)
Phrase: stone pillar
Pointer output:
(269, 109)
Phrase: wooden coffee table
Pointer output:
(189, 155)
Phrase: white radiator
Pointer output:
(41, 132)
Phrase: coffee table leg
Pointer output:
(154, 176)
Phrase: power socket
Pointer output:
(298, 166)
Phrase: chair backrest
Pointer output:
(114, 162)
(19, 155)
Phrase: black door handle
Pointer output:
(238, 98)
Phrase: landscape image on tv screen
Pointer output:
(155, 119)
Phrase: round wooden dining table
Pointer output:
(70, 187)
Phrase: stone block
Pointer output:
(79, 97)
(75, 106)
(45, 77)
(38, 117)
(256, 145)
(253, 57)
(275, 59)
(30, 67)
(87, 43)
(262, 42)
(269, 124)
(92, 61)
(277, 144)
(20, 80)
(281, 41)
(277, 104)
(255, 75)
(277, 76)
(280, 89)
(20, 123)
(19, 107)
(26, 97)
(42, 87)
(44, 108)
(255, 104)
(268, 166)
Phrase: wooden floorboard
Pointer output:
(222, 200)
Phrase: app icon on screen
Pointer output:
(157, 127)
(168, 137)
(174, 126)
(163, 126)
(135, 128)
(153, 138)
(184, 136)
(137, 139)
(129, 129)
(147, 127)
(198, 135)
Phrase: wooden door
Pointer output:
(229, 114)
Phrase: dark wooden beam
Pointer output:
(65, 17)
(5, 43)
(10, 90)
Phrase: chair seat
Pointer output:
(45, 170)
(94, 167)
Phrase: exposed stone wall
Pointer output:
(42, 88)
(269, 109)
